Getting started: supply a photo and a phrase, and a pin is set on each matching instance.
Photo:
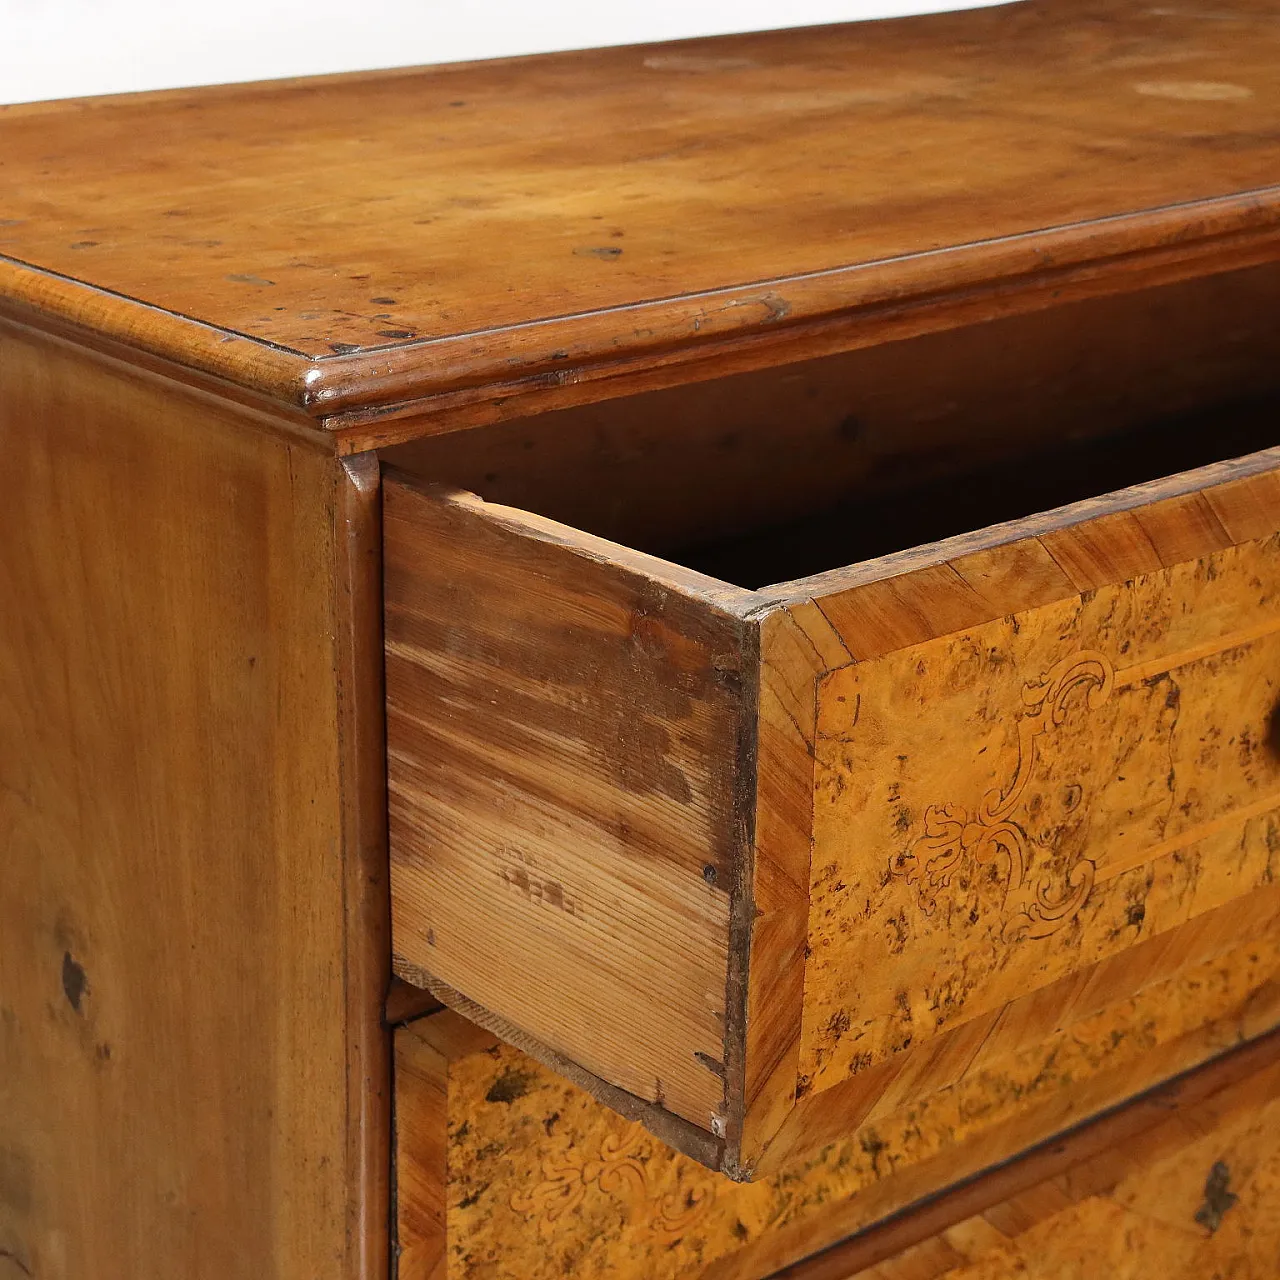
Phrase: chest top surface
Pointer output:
(356, 242)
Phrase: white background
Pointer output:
(71, 48)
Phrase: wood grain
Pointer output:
(191, 1067)
(652, 213)
(421, 1157)
(517, 1173)
(1150, 1169)
(366, 943)
(1108, 774)
(1166, 1130)
(564, 733)
(1006, 874)
(1140, 1015)
(796, 646)
(855, 884)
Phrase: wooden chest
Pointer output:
(746, 569)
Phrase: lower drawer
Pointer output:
(1180, 1185)
(507, 1171)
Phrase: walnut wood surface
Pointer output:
(508, 1171)
(563, 731)
(193, 934)
(493, 237)
(366, 941)
(997, 786)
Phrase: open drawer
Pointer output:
(761, 863)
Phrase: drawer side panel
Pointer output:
(563, 732)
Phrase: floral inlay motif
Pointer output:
(954, 836)
(618, 1170)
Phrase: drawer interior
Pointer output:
(865, 526)
(780, 474)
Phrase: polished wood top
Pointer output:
(504, 231)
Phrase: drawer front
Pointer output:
(911, 825)
(1017, 800)
(1045, 773)
(1179, 1186)
(507, 1171)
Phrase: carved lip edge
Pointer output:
(1018, 260)
(386, 378)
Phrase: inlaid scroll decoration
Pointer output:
(618, 1171)
(954, 837)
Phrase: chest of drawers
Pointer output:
(746, 569)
